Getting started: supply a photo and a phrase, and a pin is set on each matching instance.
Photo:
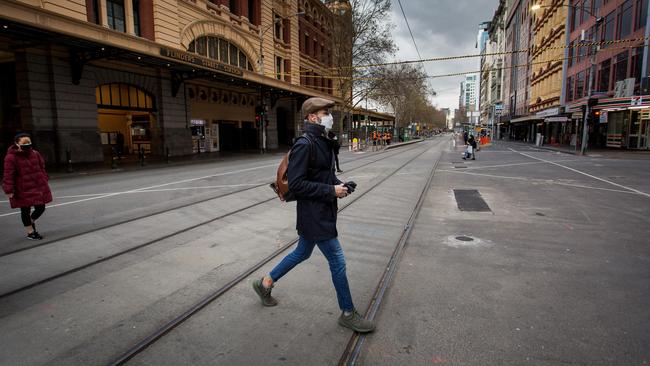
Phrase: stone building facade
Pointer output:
(98, 77)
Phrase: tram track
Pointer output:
(189, 204)
(198, 306)
(353, 349)
(170, 235)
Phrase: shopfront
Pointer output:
(629, 129)
(125, 119)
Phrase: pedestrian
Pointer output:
(465, 137)
(316, 188)
(472, 142)
(25, 183)
(336, 145)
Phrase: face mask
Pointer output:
(25, 147)
(327, 122)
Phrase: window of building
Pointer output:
(92, 11)
(221, 50)
(136, 17)
(603, 82)
(277, 23)
(620, 70)
(287, 71)
(580, 84)
(597, 5)
(625, 23)
(233, 5)
(641, 13)
(586, 10)
(115, 15)
(286, 31)
(279, 67)
(123, 96)
(608, 27)
(254, 11)
(571, 53)
(637, 64)
(576, 18)
(234, 57)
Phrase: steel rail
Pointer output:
(355, 344)
(221, 195)
(169, 326)
(153, 241)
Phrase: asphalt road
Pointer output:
(557, 272)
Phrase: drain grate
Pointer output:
(539, 214)
(470, 200)
(460, 167)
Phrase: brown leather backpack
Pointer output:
(281, 184)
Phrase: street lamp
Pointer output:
(263, 32)
(592, 70)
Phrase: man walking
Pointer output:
(316, 188)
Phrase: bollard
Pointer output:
(141, 156)
(167, 155)
(68, 159)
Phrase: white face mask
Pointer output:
(327, 122)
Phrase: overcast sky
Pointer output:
(442, 28)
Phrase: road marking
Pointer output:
(583, 173)
(158, 190)
(534, 180)
(515, 164)
(150, 187)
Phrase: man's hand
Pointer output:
(341, 191)
(10, 195)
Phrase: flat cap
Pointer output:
(313, 105)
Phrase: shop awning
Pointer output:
(525, 119)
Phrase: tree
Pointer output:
(404, 89)
(362, 36)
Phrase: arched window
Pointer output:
(221, 50)
(123, 96)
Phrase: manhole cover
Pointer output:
(464, 238)
(539, 214)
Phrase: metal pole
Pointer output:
(592, 69)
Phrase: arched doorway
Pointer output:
(125, 119)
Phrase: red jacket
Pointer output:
(25, 177)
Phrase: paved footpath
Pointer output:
(558, 272)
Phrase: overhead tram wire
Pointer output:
(411, 33)
(475, 71)
(473, 55)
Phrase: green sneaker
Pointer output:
(264, 293)
(356, 322)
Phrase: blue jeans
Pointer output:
(331, 249)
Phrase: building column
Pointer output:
(128, 14)
(103, 13)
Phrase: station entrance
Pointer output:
(125, 119)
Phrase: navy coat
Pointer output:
(313, 183)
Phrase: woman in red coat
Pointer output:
(25, 182)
